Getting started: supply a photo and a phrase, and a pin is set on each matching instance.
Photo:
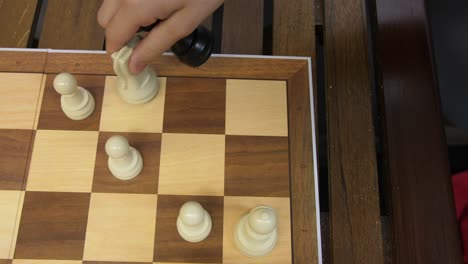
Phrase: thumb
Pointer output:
(160, 39)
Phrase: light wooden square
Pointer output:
(18, 103)
(119, 116)
(11, 203)
(39, 101)
(235, 208)
(256, 107)
(45, 261)
(121, 227)
(192, 164)
(63, 161)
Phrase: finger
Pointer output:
(160, 39)
(107, 11)
(122, 27)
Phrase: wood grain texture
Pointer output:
(10, 204)
(45, 261)
(18, 103)
(22, 61)
(260, 162)
(57, 153)
(242, 27)
(70, 24)
(216, 67)
(17, 17)
(118, 115)
(121, 227)
(205, 115)
(256, 107)
(318, 12)
(149, 146)
(301, 166)
(15, 145)
(169, 245)
(5, 261)
(199, 156)
(354, 197)
(53, 226)
(293, 28)
(113, 262)
(52, 116)
(423, 215)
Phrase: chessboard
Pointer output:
(233, 134)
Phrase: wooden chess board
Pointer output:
(232, 134)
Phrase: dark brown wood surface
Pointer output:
(22, 61)
(424, 223)
(242, 27)
(183, 114)
(168, 242)
(354, 197)
(303, 209)
(51, 116)
(53, 226)
(261, 162)
(293, 28)
(149, 146)
(16, 18)
(216, 67)
(71, 24)
(14, 157)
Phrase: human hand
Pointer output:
(121, 20)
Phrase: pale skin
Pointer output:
(121, 19)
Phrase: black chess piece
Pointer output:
(193, 50)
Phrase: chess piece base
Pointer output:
(252, 248)
(140, 95)
(128, 172)
(195, 235)
(81, 111)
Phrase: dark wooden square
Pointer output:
(5, 261)
(53, 226)
(170, 247)
(149, 146)
(15, 145)
(256, 166)
(51, 114)
(195, 105)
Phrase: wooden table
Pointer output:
(374, 80)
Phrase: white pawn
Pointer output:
(193, 222)
(125, 162)
(256, 233)
(77, 103)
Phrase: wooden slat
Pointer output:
(242, 27)
(22, 61)
(424, 221)
(293, 28)
(16, 18)
(71, 24)
(304, 224)
(274, 69)
(318, 13)
(354, 197)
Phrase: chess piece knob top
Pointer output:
(65, 84)
(117, 147)
(262, 220)
(192, 213)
